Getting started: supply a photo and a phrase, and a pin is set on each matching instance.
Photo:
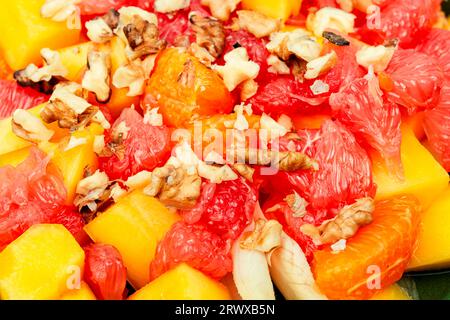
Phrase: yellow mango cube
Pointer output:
(278, 9)
(74, 59)
(11, 142)
(394, 292)
(74, 161)
(134, 225)
(40, 264)
(14, 158)
(24, 32)
(424, 178)
(182, 283)
(433, 244)
(84, 293)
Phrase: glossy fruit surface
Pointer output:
(195, 245)
(144, 147)
(15, 97)
(361, 107)
(33, 193)
(184, 89)
(375, 257)
(226, 208)
(105, 272)
(437, 44)
(417, 79)
(437, 127)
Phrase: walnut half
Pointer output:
(97, 78)
(345, 225)
(210, 34)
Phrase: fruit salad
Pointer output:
(222, 149)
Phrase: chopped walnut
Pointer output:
(209, 32)
(134, 75)
(139, 180)
(297, 204)
(344, 225)
(321, 65)
(153, 118)
(283, 160)
(187, 77)
(216, 174)
(29, 127)
(277, 66)
(62, 10)
(378, 57)
(45, 78)
(237, 69)
(265, 237)
(75, 142)
(68, 107)
(257, 23)
(97, 78)
(99, 144)
(319, 87)
(166, 6)
(330, 18)
(98, 31)
(248, 89)
(142, 37)
(201, 54)
(221, 9)
(92, 190)
(298, 42)
(271, 126)
(175, 187)
(244, 170)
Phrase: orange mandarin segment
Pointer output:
(184, 89)
(375, 257)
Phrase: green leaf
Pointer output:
(434, 286)
(446, 7)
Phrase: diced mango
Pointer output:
(278, 9)
(74, 58)
(84, 293)
(14, 158)
(415, 122)
(74, 161)
(433, 244)
(11, 142)
(394, 292)
(183, 283)
(40, 263)
(24, 32)
(134, 225)
(424, 176)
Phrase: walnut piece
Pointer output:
(166, 6)
(142, 37)
(97, 78)
(134, 75)
(345, 225)
(298, 43)
(265, 237)
(101, 29)
(174, 186)
(297, 204)
(257, 23)
(277, 65)
(29, 127)
(221, 9)
(209, 32)
(62, 10)
(45, 78)
(68, 107)
(237, 69)
(321, 65)
(378, 57)
(330, 18)
(201, 54)
(248, 89)
(244, 170)
(92, 190)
